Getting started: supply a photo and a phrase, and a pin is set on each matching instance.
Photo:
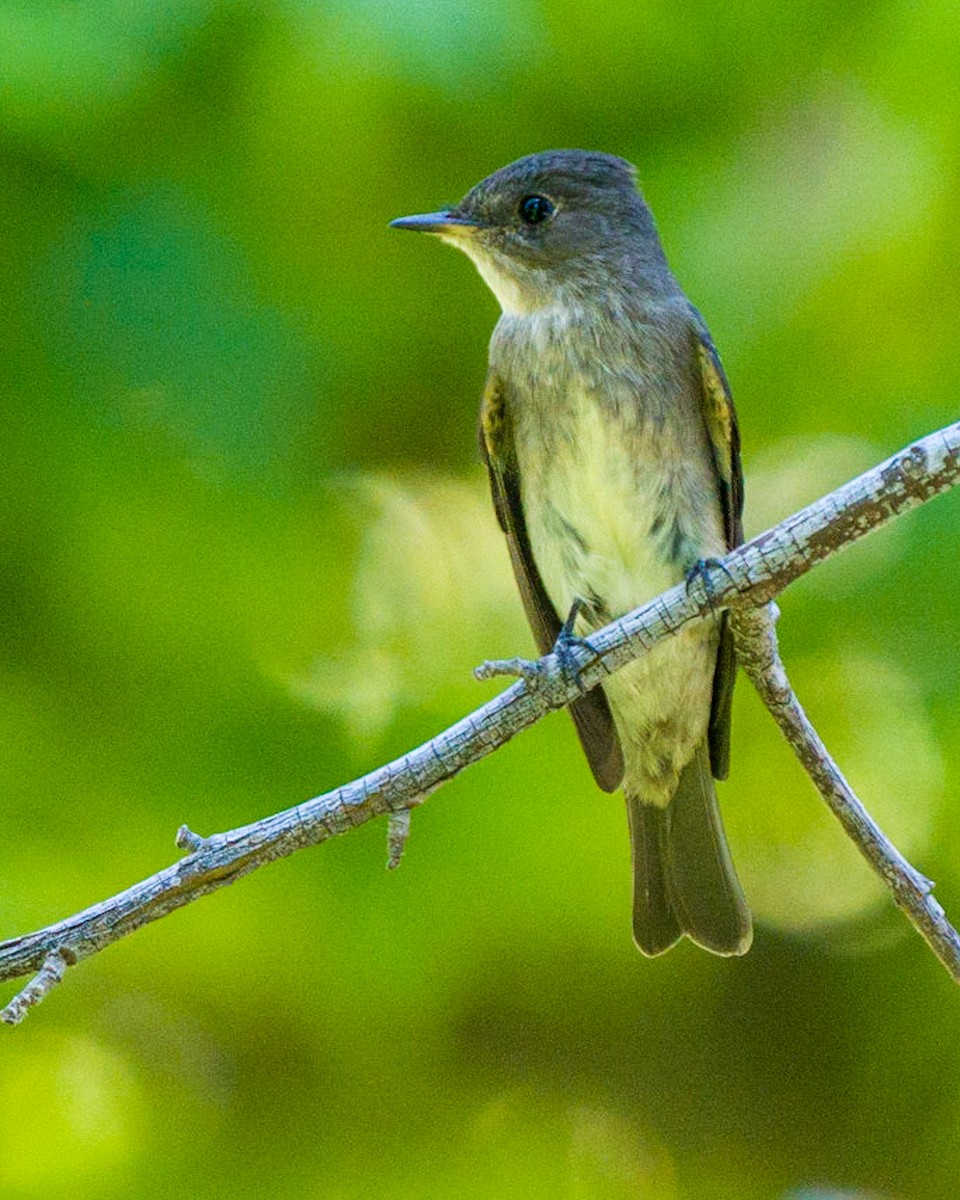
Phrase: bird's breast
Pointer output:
(615, 496)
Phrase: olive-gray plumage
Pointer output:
(611, 442)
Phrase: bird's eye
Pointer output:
(534, 209)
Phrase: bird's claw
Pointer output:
(572, 653)
(700, 571)
(569, 648)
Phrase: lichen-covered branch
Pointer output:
(749, 576)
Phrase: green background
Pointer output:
(246, 554)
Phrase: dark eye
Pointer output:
(534, 209)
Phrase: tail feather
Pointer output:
(684, 878)
(655, 924)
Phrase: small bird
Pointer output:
(610, 439)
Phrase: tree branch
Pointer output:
(747, 578)
(759, 655)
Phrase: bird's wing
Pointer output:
(720, 419)
(591, 713)
(721, 422)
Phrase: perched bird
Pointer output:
(611, 442)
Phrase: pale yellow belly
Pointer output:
(589, 512)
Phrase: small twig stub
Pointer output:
(50, 974)
(398, 831)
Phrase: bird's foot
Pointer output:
(573, 653)
(700, 572)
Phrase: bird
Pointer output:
(610, 438)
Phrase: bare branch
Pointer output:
(750, 576)
(759, 655)
(51, 973)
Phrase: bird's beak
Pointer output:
(446, 222)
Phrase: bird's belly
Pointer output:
(599, 514)
(609, 525)
(661, 707)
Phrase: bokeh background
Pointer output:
(246, 554)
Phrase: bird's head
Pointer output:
(549, 224)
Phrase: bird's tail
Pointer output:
(684, 880)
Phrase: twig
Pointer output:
(759, 655)
(51, 972)
(398, 831)
(751, 575)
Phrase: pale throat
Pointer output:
(515, 300)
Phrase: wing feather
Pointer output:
(591, 713)
(720, 418)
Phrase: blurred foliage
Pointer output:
(246, 554)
